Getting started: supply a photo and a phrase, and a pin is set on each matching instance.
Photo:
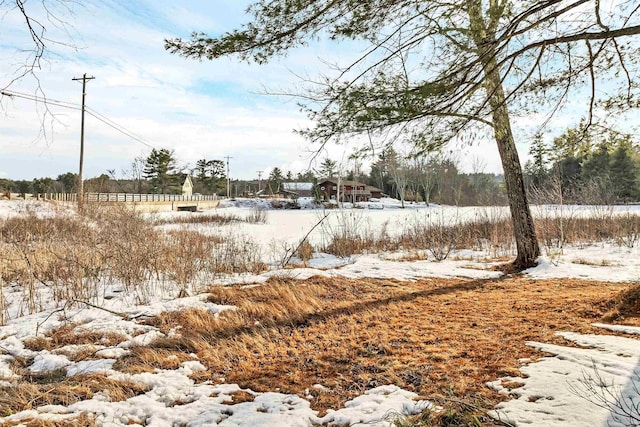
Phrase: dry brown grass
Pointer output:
(82, 420)
(76, 256)
(439, 338)
(488, 232)
(258, 307)
(442, 338)
(66, 391)
(70, 334)
(144, 359)
(241, 396)
(200, 218)
(626, 306)
(305, 251)
(412, 255)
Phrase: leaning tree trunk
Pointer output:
(524, 230)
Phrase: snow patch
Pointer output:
(565, 390)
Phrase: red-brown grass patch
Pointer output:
(439, 337)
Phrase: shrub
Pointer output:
(258, 215)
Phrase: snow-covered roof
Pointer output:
(297, 186)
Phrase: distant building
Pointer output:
(376, 193)
(350, 191)
(187, 186)
(300, 189)
(290, 190)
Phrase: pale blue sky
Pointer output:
(199, 109)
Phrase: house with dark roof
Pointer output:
(348, 190)
(289, 190)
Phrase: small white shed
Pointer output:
(187, 186)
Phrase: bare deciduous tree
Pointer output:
(47, 25)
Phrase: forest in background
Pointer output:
(596, 166)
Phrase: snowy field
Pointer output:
(285, 228)
(555, 391)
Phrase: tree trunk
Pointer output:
(523, 227)
(524, 230)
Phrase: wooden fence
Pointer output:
(124, 197)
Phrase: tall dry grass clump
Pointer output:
(200, 218)
(576, 226)
(131, 247)
(350, 233)
(430, 230)
(56, 252)
(64, 391)
(625, 305)
(274, 304)
(71, 258)
(489, 231)
(257, 215)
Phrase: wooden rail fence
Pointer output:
(124, 197)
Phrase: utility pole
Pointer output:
(228, 180)
(259, 181)
(84, 79)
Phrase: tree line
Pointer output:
(158, 173)
(430, 178)
(584, 165)
(432, 72)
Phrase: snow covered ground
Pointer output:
(597, 384)
(285, 228)
(558, 390)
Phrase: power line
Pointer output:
(107, 121)
(44, 100)
(101, 117)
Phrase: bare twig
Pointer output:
(286, 261)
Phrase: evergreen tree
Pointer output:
(623, 175)
(6, 185)
(596, 166)
(327, 168)
(307, 176)
(567, 172)
(380, 171)
(210, 175)
(160, 169)
(466, 49)
(576, 142)
(69, 181)
(537, 168)
(596, 177)
(42, 185)
(275, 180)
(23, 187)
